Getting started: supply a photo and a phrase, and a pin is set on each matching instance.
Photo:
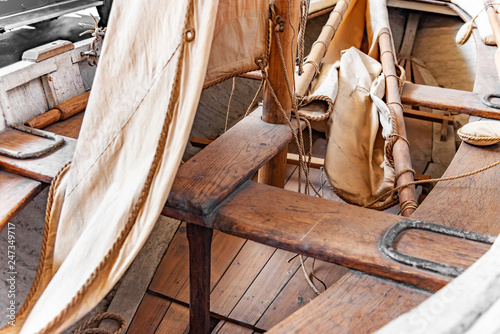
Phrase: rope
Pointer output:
(85, 329)
(250, 107)
(138, 206)
(450, 178)
(229, 103)
(308, 99)
(302, 30)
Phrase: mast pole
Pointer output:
(273, 173)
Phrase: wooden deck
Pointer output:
(253, 286)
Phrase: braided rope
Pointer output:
(43, 252)
(144, 192)
(84, 327)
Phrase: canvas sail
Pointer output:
(359, 126)
(104, 205)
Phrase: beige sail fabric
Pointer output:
(474, 7)
(317, 5)
(240, 38)
(359, 125)
(136, 126)
(468, 304)
(355, 163)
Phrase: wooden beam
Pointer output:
(427, 116)
(402, 160)
(273, 173)
(209, 177)
(200, 239)
(335, 232)
(451, 100)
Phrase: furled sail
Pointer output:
(359, 126)
(103, 206)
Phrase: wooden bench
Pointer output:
(212, 192)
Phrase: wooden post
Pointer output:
(401, 150)
(200, 239)
(273, 173)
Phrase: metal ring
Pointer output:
(58, 142)
(485, 99)
(386, 245)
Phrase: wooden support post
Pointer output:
(273, 173)
(401, 150)
(200, 239)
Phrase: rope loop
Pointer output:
(85, 329)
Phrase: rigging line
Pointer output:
(229, 104)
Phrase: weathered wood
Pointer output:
(427, 116)
(15, 192)
(410, 34)
(208, 178)
(60, 112)
(47, 50)
(200, 239)
(297, 293)
(447, 99)
(226, 327)
(355, 304)
(149, 314)
(293, 159)
(281, 72)
(175, 321)
(41, 169)
(401, 152)
(239, 277)
(68, 128)
(274, 276)
(327, 230)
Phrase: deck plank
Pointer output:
(298, 293)
(239, 276)
(15, 192)
(41, 169)
(269, 283)
(370, 303)
(175, 321)
(149, 315)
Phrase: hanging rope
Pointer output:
(85, 328)
(229, 104)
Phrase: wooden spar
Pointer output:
(495, 26)
(401, 150)
(320, 47)
(60, 112)
(273, 173)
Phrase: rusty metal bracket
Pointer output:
(58, 142)
(386, 245)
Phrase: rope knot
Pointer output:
(280, 24)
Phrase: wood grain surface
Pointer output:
(15, 192)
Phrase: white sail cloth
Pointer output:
(473, 8)
(358, 128)
(469, 304)
(138, 119)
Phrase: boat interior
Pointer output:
(253, 237)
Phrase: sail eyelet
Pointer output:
(189, 34)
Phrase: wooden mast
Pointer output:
(401, 150)
(273, 173)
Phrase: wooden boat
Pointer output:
(366, 273)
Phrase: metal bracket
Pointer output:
(386, 245)
(486, 100)
(58, 142)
